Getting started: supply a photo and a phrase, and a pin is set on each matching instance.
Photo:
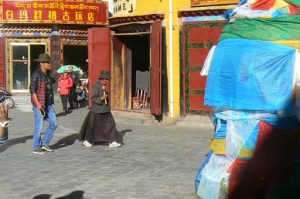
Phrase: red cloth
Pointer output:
(294, 10)
(271, 164)
(263, 5)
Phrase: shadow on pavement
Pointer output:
(73, 195)
(66, 141)
(63, 113)
(122, 133)
(42, 196)
(15, 141)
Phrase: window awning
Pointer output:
(135, 19)
(204, 11)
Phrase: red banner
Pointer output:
(47, 11)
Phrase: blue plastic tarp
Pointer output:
(251, 75)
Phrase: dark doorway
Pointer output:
(35, 50)
(139, 45)
(76, 55)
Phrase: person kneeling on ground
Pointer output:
(99, 125)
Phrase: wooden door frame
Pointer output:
(121, 96)
(99, 57)
(156, 68)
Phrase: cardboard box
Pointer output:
(136, 102)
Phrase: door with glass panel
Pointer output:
(23, 64)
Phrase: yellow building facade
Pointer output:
(141, 7)
(171, 22)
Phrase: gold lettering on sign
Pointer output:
(57, 11)
(9, 14)
(91, 16)
(56, 6)
(37, 14)
(52, 15)
(66, 16)
(23, 15)
(78, 16)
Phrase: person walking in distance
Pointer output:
(73, 97)
(42, 99)
(65, 82)
(99, 125)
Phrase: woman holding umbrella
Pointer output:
(65, 82)
(73, 73)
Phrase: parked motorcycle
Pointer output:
(6, 98)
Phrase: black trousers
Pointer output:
(64, 101)
(72, 97)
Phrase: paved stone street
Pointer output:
(158, 161)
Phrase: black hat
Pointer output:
(104, 74)
(43, 57)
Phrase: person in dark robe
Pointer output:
(99, 126)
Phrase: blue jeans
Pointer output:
(38, 141)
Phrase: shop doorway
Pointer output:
(123, 55)
(131, 72)
(137, 68)
(23, 64)
(76, 55)
(35, 50)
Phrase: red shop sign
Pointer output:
(61, 12)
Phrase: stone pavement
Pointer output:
(157, 161)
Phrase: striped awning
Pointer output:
(137, 18)
(204, 11)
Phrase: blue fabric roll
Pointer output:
(251, 75)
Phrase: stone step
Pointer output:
(203, 121)
(133, 117)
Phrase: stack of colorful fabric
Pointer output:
(264, 9)
(253, 86)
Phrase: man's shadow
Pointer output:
(15, 141)
(66, 141)
(63, 113)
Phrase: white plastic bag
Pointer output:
(207, 62)
(237, 134)
(212, 175)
